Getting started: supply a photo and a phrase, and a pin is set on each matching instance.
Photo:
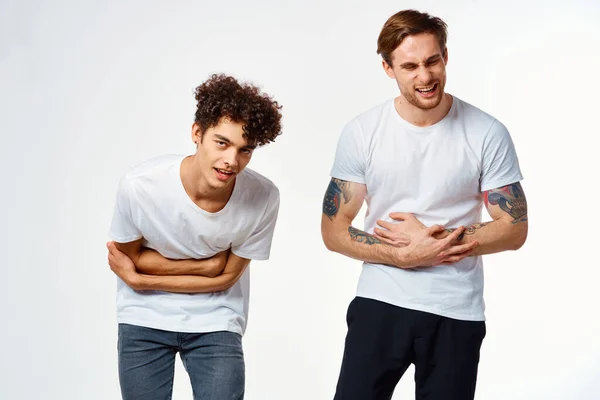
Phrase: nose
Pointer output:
(231, 158)
(424, 74)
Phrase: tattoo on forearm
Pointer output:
(471, 229)
(511, 200)
(362, 237)
(335, 191)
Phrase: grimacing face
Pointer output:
(419, 68)
(222, 152)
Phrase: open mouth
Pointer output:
(223, 174)
(427, 91)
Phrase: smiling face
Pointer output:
(419, 68)
(222, 153)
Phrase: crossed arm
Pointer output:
(145, 269)
(341, 204)
(506, 205)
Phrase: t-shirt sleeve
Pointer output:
(258, 245)
(500, 165)
(122, 227)
(350, 160)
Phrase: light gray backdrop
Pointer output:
(90, 88)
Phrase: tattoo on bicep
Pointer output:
(362, 237)
(510, 199)
(335, 191)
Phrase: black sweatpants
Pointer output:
(383, 340)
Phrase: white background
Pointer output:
(90, 88)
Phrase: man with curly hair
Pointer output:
(420, 294)
(184, 231)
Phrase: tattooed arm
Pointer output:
(341, 204)
(508, 230)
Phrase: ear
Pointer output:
(388, 69)
(196, 133)
(446, 56)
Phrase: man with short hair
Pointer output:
(184, 232)
(420, 294)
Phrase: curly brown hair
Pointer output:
(222, 96)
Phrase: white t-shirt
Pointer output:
(438, 173)
(152, 203)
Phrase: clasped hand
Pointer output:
(426, 246)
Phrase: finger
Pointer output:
(112, 249)
(457, 257)
(400, 216)
(384, 237)
(432, 230)
(457, 249)
(453, 236)
(385, 240)
(381, 232)
(385, 224)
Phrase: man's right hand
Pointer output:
(399, 233)
(425, 250)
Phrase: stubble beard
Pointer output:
(413, 99)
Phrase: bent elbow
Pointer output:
(520, 241)
(328, 241)
(212, 273)
(229, 281)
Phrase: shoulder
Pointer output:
(472, 114)
(368, 120)
(477, 121)
(258, 185)
(152, 167)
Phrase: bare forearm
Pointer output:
(151, 262)
(362, 246)
(341, 204)
(184, 283)
(495, 236)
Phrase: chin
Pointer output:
(222, 184)
(425, 104)
(430, 104)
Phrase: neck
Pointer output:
(197, 187)
(420, 117)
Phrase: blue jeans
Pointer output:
(213, 360)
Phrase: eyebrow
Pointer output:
(430, 59)
(224, 139)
